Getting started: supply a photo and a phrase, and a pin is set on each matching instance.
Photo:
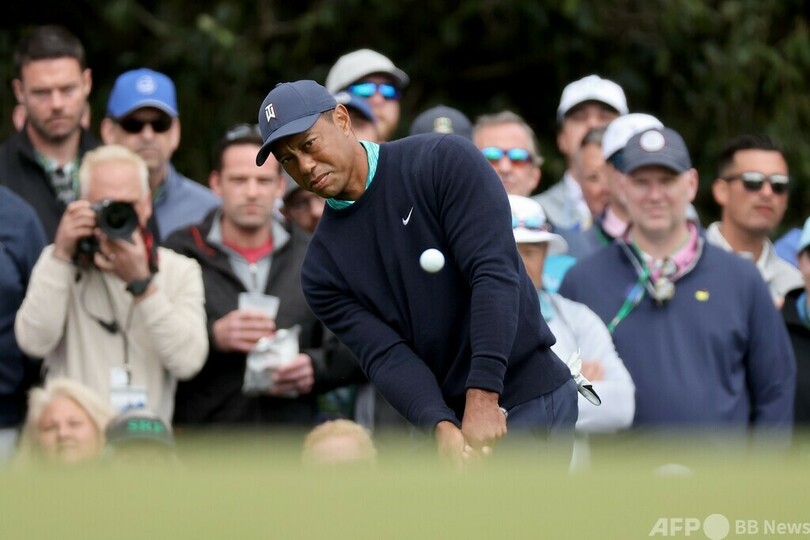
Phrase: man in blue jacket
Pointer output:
(454, 350)
(695, 325)
(143, 115)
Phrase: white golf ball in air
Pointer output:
(431, 260)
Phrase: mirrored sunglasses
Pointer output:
(533, 223)
(515, 155)
(159, 125)
(368, 89)
(753, 181)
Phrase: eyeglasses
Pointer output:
(518, 156)
(159, 125)
(242, 131)
(368, 89)
(753, 181)
(533, 223)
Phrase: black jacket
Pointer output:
(20, 172)
(215, 396)
(800, 338)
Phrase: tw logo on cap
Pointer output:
(269, 112)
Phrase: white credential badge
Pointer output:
(124, 395)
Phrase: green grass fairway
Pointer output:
(255, 488)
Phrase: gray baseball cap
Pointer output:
(622, 128)
(663, 147)
(353, 66)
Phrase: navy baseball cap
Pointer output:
(358, 104)
(442, 119)
(662, 147)
(141, 88)
(291, 108)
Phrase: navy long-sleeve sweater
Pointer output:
(716, 354)
(424, 338)
(21, 241)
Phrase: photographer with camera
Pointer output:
(97, 308)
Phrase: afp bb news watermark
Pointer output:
(718, 526)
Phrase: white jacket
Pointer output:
(164, 336)
(575, 325)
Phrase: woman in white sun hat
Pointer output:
(575, 326)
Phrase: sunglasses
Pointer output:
(753, 181)
(159, 125)
(368, 89)
(516, 155)
(533, 223)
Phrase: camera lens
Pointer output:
(117, 216)
(117, 219)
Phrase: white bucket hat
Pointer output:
(530, 226)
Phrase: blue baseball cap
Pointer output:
(141, 88)
(291, 108)
(352, 102)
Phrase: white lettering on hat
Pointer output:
(269, 112)
(652, 141)
(145, 85)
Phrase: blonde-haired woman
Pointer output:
(65, 424)
(339, 441)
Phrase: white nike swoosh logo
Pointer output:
(406, 220)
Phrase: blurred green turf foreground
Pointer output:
(256, 488)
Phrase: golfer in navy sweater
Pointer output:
(456, 351)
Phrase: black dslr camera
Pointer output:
(116, 219)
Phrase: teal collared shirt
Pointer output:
(373, 153)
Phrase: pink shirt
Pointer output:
(676, 264)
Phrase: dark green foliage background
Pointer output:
(711, 70)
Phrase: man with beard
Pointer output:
(41, 161)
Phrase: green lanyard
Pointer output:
(636, 293)
(601, 236)
(634, 298)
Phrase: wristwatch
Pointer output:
(138, 286)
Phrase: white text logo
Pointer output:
(718, 527)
